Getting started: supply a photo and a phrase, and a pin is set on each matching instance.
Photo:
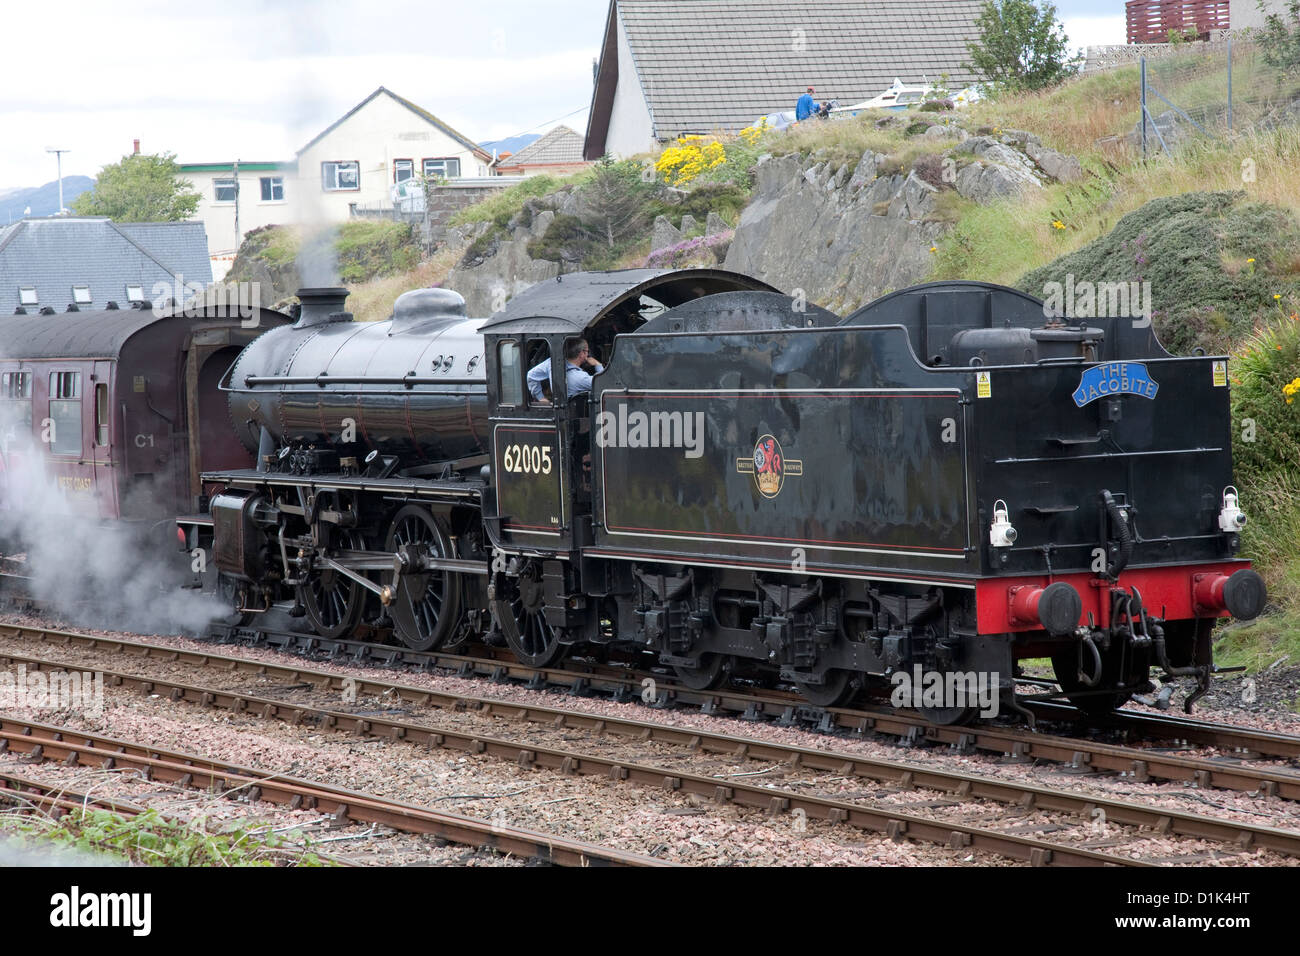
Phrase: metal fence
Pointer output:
(1211, 90)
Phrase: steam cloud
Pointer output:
(318, 261)
(86, 571)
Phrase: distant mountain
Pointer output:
(43, 200)
(512, 145)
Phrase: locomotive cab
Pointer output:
(541, 449)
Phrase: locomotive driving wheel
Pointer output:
(947, 715)
(334, 602)
(426, 605)
(834, 689)
(710, 671)
(519, 611)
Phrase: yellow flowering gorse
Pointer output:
(691, 155)
(1290, 390)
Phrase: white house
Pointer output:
(382, 141)
(356, 163)
(1251, 14)
(235, 199)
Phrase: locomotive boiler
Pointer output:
(945, 482)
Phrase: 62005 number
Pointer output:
(527, 459)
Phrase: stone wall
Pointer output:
(445, 201)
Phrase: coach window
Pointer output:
(16, 393)
(101, 414)
(65, 413)
(511, 390)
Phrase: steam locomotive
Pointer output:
(943, 483)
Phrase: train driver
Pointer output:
(577, 381)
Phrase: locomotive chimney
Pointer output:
(321, 305)
(136, 149)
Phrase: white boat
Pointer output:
(898, 97)
(901, 97)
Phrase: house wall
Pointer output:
(219, 217)
(631, 130)
(380, 132)
(1246, 15)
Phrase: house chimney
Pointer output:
(136, 150)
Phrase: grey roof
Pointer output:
(417, 110)
(104, 333)
(99, 334)
(720, 64)
(560, 145)
(55, 254)
(573, 302)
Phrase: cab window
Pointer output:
(511, 385)
(539, 386)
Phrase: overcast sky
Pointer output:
(256, 79)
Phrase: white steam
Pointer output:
(86, 570)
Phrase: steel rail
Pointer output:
(44, 742)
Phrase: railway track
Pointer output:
(41, 742)
(903, 776)
(1228, 771)
(621, 683)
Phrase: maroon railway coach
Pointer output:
(111, 416)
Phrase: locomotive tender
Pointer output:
(942, 483)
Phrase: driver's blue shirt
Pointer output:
(805, 107)
(577, 381)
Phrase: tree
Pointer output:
(1279, 39)
(616, 201)
(143, 187)
(1021, 46)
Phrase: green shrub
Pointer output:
(372, 249)
(1216, 264)
(502, 207)
(1266, 429)
(151, 839)
(566, 239)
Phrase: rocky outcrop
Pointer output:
(664, 234)
(844, 238)
(844, 233)
(998, 171)
(490, 276)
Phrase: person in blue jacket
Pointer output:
(806, 106)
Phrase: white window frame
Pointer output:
(442, 173)
(403, 164)
(16, 386)
(273, 182)
(81, 294)
(329, 176)
(135, 293)
(218, 185)
(27, 295)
